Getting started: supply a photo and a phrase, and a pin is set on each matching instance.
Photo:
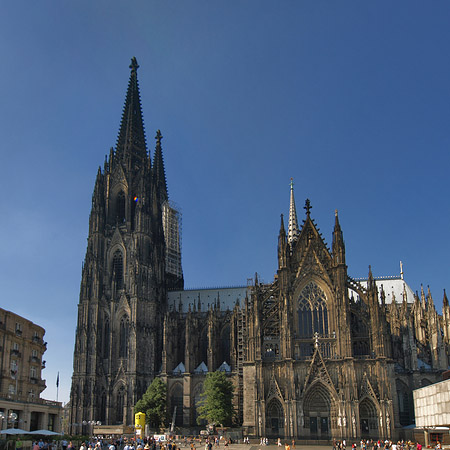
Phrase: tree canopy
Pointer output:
(216, 400)
(154, 403)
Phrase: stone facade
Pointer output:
(314, 354)
(22, 348)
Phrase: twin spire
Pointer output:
(131, 146)
(131, 140)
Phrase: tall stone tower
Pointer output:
(123, 293)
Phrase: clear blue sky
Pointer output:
(349, 98)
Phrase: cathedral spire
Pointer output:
(338, 245)
(429, 297)
(131, 146)
(371, 284)
(159, 174)
(282, 245)
(293, 223)
(445, 300)
(422, 298)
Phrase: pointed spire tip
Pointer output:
(293, 230)
(134, 64)
(307, 207)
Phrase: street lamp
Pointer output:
(91, 424)
(12, 418)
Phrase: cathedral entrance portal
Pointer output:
(368, 419)
(274, 419)
(317, 410)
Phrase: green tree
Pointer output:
(154, 404)
(216, 400)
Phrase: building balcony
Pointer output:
(16, 353)
(28, 399)
(18, 332)
(35, 359)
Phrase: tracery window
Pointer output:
(312, 311)
(120, 404)
(118, 269)
(106, 339)
(124, 333)
(120, 207)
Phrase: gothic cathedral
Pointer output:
(314, 354)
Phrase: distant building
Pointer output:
(314, 354)
(21, 351)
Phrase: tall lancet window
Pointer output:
(120, 207)
(312, 311)
(106, 339)
(118, 269)
(124, 334)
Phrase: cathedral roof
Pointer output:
(392, 286)
(226, 296)
(202, 368)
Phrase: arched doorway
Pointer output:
(368, 419)
(317, 411)
(176, 404)
(405, 404)
(274, 419)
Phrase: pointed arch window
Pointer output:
(124, 335)
(120, 207)
(118, 269)
(120, 405)
(225, 344)
(304, 319)
(106, 339)
(312, 311)
(102, 408)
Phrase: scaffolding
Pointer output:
(172, 235)
(242, 327)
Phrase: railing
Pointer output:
(27, 399)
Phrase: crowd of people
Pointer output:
(371, 444)
(208, 442)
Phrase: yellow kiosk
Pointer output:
(139, 424)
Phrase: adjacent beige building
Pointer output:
(432, 409)
(22, 348)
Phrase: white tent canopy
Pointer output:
(38, 432)
(45, 433)
(14, 431)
